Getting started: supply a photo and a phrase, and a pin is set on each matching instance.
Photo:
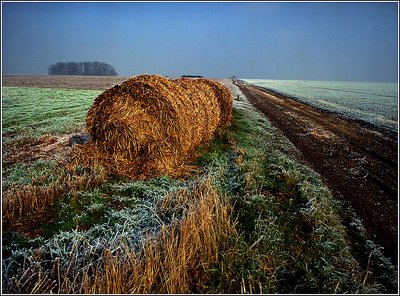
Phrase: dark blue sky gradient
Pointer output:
(306, 41)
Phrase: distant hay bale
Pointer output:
(150, 125)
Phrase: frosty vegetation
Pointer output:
(250, 219)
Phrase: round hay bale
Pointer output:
(224, 99)
(149, 125)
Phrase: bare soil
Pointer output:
(63, 81)
(358, 162)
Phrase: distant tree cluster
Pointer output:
(83, 68)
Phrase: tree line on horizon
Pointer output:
(82, 68)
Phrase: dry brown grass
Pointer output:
(29, 149)
(150, 125)
(22, 201)
(176, 260)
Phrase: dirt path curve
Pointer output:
(358, 164)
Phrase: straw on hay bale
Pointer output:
(150, 125)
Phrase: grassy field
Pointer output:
(250, 219)
(39, 111)
(372, 102)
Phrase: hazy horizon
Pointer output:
(259, 40)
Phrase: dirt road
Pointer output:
(358, 163)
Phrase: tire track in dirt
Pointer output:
(358, 163)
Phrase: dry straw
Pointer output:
(150, 125)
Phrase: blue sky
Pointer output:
(273, 40)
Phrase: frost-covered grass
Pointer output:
(295, 240)
(40, 111)
(253, 220)
(373, 102)
(147, 228)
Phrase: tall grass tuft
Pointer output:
(176, 259)
(22, 201)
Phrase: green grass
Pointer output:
(23, 174)
(40, 111)
(289, 236)
(291, 239)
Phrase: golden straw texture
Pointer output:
(150, 125)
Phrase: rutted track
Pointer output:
(358, 163)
